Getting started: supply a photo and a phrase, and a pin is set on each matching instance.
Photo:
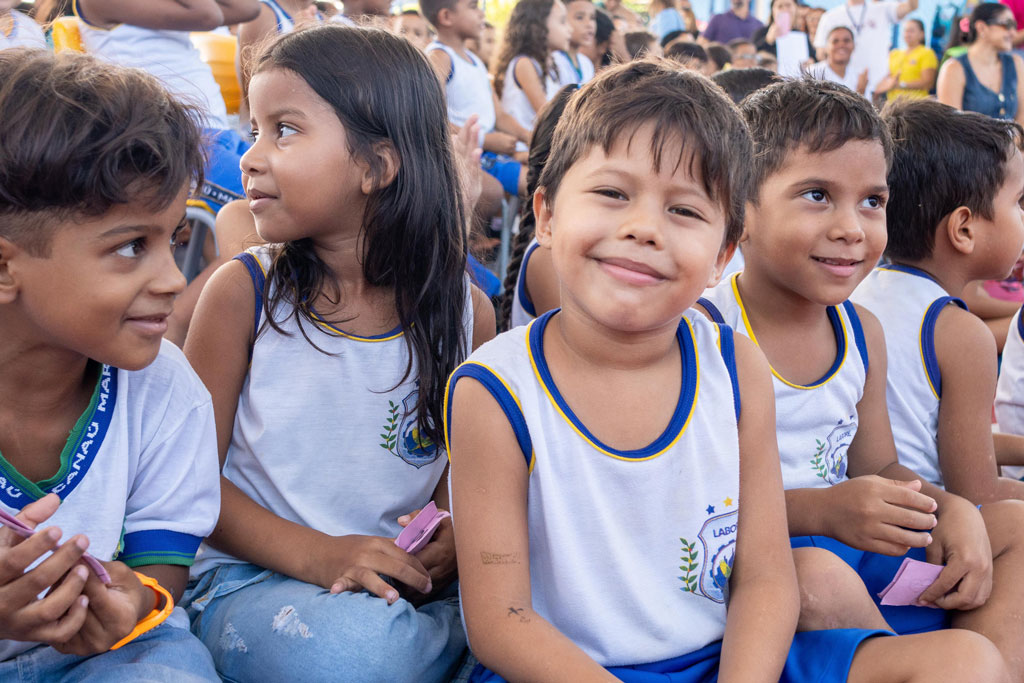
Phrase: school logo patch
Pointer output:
(401, 435)
(707, 562)
(829, 459)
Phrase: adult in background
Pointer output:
(871, 24)
(785, 37)
(986, 78)
(911, 71)
(735, 23)
(836, 67)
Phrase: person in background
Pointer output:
(17, 29)
(609, 43)
(665, 18)
(484, 47)
(836, 65)
(275, 17)
(641, 44)
(784, 36)
(744, 53)
(911, 70)
(987, 78)
(871, 24)
(735, 23)
(692, 56)
(737, 84)
(720, 56)
(411, 25)
(575, 67)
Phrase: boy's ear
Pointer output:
(542, 215)
(444, 17)
(724, 256)
(387, 161)
(8, 280)
(959, 230)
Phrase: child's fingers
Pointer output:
(17, 558)
(905, 494)
(66, 627)
(49, 571)
(59, 601)
(903, 539)
(407, 569)
(945, 582)
(911, 519)
(361, 577)
(39, 511)
(405, 520)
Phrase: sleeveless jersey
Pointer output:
(523, 310)
(138, 475)
(630, 551)
(168, 55)
(568, 73)
(816, 422)
(515, 101)
(468, 89)
(1010, 389)
(285, 23)
(907, 302)
(24, 33)
(327, 440)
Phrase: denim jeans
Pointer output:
(264, 626)
(167, 654)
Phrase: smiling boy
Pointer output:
(95, 165)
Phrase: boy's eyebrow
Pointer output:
(876, 189)
(693, 187)
(130, 229)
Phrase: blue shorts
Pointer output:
(505, 169)
(223, 176)
(813, 656)
(877, 571)
(483, 278)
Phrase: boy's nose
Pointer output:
(644, 226)
(168, 280)
(252, 162)
(847, 227)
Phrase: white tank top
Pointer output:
(329, 441)
(523, 310)
(1010, 389)
(285, 24)
(168, 55)
(907, 302)
(24, 33)
(515, 101)
(468, 89)
(568, 73)
(668, 512)
(815, 423)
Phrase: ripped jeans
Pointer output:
(264, 626)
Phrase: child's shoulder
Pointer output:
(168, 384)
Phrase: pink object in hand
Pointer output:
(784, 24)
(24, 530)
(420, 530)
(912, 578)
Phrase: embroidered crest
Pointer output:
(829, 460)
(707, 566)
(401, 435)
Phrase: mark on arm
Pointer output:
(499, 558)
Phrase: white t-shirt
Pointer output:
(468, 89)
(24, 33)
(568, 74)
(630, 551)
(168, 55)
(871, 24)
(1010, 389)
(140, 474)
(515, 101)
(329, 440)
(824, 72)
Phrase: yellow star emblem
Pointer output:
(728, 502)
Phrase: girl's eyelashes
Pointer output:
(609, 192)
(132, 249)
(176, 235)
(816, 195)
(874, 202)
(686, 212)
(284, 130)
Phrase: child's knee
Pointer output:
(960, 655)
(832, 595)
(1005, 523)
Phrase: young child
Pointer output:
(574, 67)
(965, 174)
(154, 36)
(484, 46)
(596, 446)
(468, 88)
(1009, 405)
(275, 17)
(531, 286)
(107, 434)
(361, 293)
(525, 77)
(665, 18)
(411, 25)
(641, 45)
(17, 29)
(815, 226)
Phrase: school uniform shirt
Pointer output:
(815, 422)
(871, 24)
(139, 472)
(570, 73)
(515, 101)
(168, 55)
(24, 33)
(468, 89)
(1010, 388)
(630, 551)
(907, 302)
(329, 439)
(823, 71)
(285, 23)
(523, 310)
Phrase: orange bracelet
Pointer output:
(156, 617)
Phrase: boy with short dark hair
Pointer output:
(95, 164)
(468, 88)
(957, 181)
(815, 226)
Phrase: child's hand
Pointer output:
(113, 612)
(880, 515)
(438, 557)
(961, 543)
(357, 561)
(467, 161)
(499, 142)
(59, 615)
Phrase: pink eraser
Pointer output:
(24, 530)
(421, 530)
(911, 580)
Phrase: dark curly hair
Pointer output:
(525, 34)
